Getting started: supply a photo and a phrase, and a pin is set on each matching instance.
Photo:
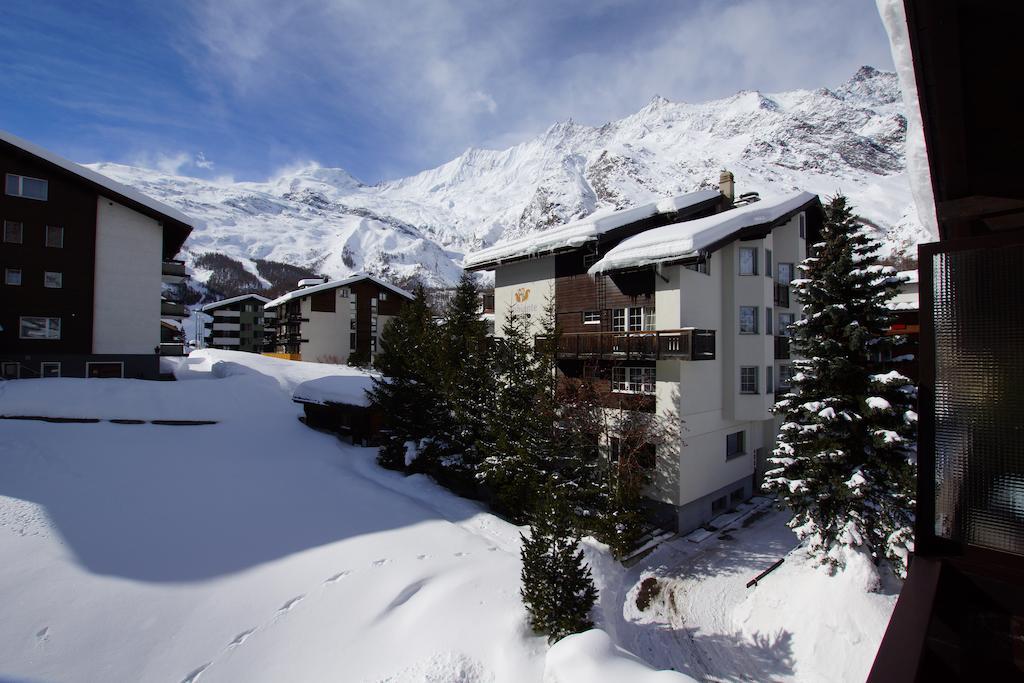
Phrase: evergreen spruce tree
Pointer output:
(842, 461)
(408, 395)
(557, 588)
(467, 383)
(517, 448)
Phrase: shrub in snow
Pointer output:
(843, 458)
(557, 588)
(649, 589)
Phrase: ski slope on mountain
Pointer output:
(849, 138)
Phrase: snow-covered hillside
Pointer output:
(846, 139)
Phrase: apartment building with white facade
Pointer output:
(328, 322)
(83, 261)
(677, 307)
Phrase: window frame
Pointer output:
(778, 273)
(803, 224)
(619, 319)
(750, 372)
(784, 328)
(44, 364)
(754, 263)
(769, 379)
(740, 439)
(634, 379)
(46, 236)
(767, 262)
(757, 321)
(6, 365)
(785, 379)
(48, 319)
(60, 279)
(8, 272)
(20, 192)
(21, 232)
(589, 319)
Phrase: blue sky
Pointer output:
(244, 88)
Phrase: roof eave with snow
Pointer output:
(233, 300)
(180, 224)
(576, 234)
(334, 284)
(689, 240)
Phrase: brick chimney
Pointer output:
(727, 185)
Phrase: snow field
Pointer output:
(254, 549)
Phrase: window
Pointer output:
(352, 341)
(719, 505)
(803, 225)
(734, 444)
(104, 370)
(352, 323)
(769, 379)
(649, 318)
(618, 319)
(13, 232)
(701, 267)
(748, 379)
(10, 370)
(383, 296)
(748, 260)
(373, 345)
(786, 273)
(748, 319)
(736, 496)
(52, 280)
(12, 276)
(29, 188)
(54, 236)
(785, 376)
(634, 380)
(343, 292)
(768, 262)
(49, 369)
(785, 320)
(636, 318)
(769, 319)
(589, 260)
(33, 327)
(591, 317)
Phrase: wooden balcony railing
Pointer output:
(684, 344)
(781, 348)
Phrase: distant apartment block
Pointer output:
(331, 322)
(238, 323)
(680, 307)
(83, 259)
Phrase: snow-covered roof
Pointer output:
(911, 276)
(686, 239)
(345, 389)
(233, 300)
(97, 178)
(334, 284)
(905, 301)
(579, 232)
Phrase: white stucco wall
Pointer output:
(328, 333)
(126, 290)
(526, 285)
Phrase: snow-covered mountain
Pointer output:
(847, 139)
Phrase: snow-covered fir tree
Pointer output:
(843, 461)
(519, 447)
(557, 588)
(467, 383)
(408, 395)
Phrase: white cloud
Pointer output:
(442, 75)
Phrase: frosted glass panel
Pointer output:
(979, 397)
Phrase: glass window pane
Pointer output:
(54, 236)
(12, 186)
(12, 232)
(618, 319)
(53, 280)
(33, 188)
(748, 261)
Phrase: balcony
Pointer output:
(293, 319)
(781, 295)
(227, 327)
(226, 313)
(684, 344)
(226, 341)
(173, 272)
(170, 309)
(781, 348)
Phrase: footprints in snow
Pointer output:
(287, 607)
(403, 597)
